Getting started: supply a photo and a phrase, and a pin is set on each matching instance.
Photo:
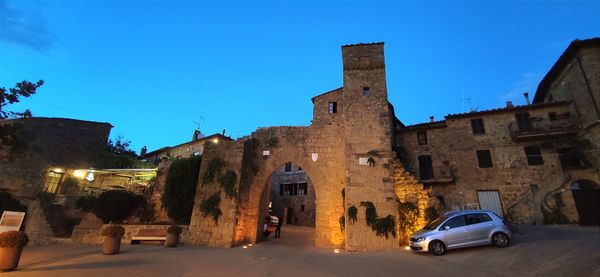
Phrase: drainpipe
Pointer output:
(589, 88)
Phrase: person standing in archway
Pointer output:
(278, 229)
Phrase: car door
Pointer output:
(455, 235)
(479, 226)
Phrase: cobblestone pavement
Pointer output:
(537, 251)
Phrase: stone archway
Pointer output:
(586, 194)
(327, 231)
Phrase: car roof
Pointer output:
(461, 212)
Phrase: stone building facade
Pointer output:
(521, 161)
(53, 147)
(195, 147)
(530, 158)
(292, 196)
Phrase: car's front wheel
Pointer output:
(500, 240)
(437, 248)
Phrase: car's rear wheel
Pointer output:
(437, 248)
(500, 240)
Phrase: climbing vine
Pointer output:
(215, 166)
(352, 212)
(408, 214)
(342, 221)
(210, 206)
(272, 142)
(381, 226)
(228, 181)
(371, 162)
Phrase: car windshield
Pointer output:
(432, 225)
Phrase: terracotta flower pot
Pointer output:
(172, 240)
(9, 258)
(111, 245)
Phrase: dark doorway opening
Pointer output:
(587, 201)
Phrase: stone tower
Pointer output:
(368, 147)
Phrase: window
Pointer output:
(288, 167)
(365, 91)
(302, 207)
(552, 116)
(477, 218)
(534, 155)
(302, 188)
(455, 222)
(289, 189)
(332, 107)
(422, 138)
(477, 126)
(484, 158)
(53, 181)
(523, 121)
(425, 167)
(569, 158)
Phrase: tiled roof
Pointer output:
(505, 109)
(435, 124)
(360, 44)
(333, 90)
(560, 64)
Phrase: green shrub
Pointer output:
(408, 214)
(8, 203)
(113, 231)
(180, 189)
(86, 203)
(116, 205)
(13, 239)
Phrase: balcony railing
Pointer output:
(441, 174)
(542, 128)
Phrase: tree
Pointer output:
(116, 205)
(118, 155)
(14, 95)
(13, 137)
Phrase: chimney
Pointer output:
(509, 104)
(431, 119)
(143, 151)
(526, 94)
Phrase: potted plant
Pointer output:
(11, 245)
(172, 236)
(112, 239)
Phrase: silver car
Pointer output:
(461, 229)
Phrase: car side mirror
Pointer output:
(446, 227)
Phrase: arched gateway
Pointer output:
(348, 147)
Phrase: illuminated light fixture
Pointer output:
(336, 251)
(58, 170)
(90, 175)
(249, 244)
(270, 204)
(80, 173)
(407, 248)
(215, 140)
(245, 247)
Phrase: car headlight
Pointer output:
(420, 239)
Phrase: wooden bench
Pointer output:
(155, 235)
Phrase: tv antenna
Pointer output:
(198, 123)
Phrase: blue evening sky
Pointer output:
(152, 68)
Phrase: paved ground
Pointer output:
(537, 251)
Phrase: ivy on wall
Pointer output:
(228, 181)
(382, 226)
(214, 168)
(210, 206)
(180, 188)
(408, 214)
(352, 212)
